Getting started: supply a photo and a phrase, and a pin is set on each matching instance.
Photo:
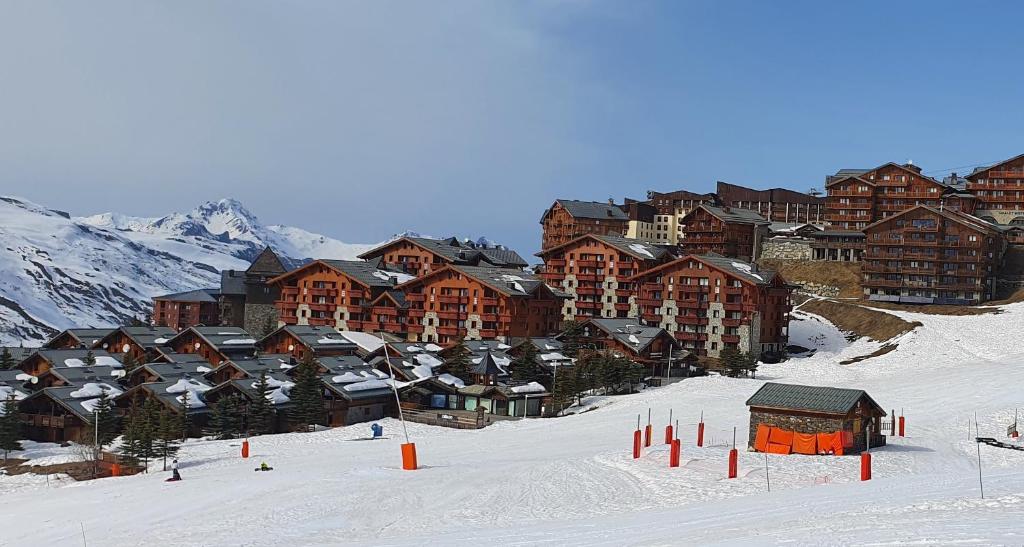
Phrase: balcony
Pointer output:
(489, 317)
(416, 312)
(730, 339)
(414, 328)
(452, 315)
(448, 331)
(452, 299)
(691, 336)
(555, 262)
(354, 293)
(727, 322)
(619, 306)
(654, 302)
(691, 320)
(383, 310)
(415, 297)
(653, 317)
(596, 291)
(488, 334)
(589, 264)
(323, 292)
(1005, 174)
(321, 321)
(623, 292)
(488, 301)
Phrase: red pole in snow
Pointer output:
(733, 463)
(245, 449)
(668, 428)
(902, 426)
(649, 430)
(673, 454)
(700, 434)
(865, 466)
(636, 439)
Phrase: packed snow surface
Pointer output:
(572, 480)
(641, 249)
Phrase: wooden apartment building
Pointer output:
(419, 255)
(859, 197)
(182, 310)
(999, 189)
(726, 231)
(475, 302)
(710, 302)
(669, 210)
(568, 219)
(930, 256)
(775, 204)
(596, 271)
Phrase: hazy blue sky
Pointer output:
(360, 119)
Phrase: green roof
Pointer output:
(830, 400)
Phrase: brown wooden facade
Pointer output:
(708, 305)
(561, 225)
(775, 204)
(321, 294)
(459, 302)
(183, 310)
(856, 200)
(709, 229)
(924, 255)
(1000, 190)
(596, 272)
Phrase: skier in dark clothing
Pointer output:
(175, 476)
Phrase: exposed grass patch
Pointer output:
(844, 275)
(880, 351)
(860, 321)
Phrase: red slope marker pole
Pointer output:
(668, 428)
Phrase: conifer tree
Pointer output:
(526, 369)
(184, 421)
(227, 417)
(90, 359)
(10, 426)
(570, 336)
(458, 360)
(148, 431)
(130, 448)
(6, 359)
(104, 420)
(129, 363)
(307, 395)
(168, 431)
(261, 411)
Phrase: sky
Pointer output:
(358, 120)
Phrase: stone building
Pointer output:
(814, 410)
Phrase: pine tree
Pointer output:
(227, 417)
(733, 361)
(526, 369)
(261, 410)
(90, 359)
(168, 431)
(307, 395)
(750, 364)
(10, 426)
(458, 360)
(104, 420)
(147, 431)
(129, 363)
(184, 420)
(131, 439)
(6, 359)
(570, 336)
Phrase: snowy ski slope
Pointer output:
(572, 481)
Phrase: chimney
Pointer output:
(611, 201)
(910, 165)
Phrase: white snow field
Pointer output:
(572, 480)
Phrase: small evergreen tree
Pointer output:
(307, 395)
(148, 431)
(733, 362)
(261, 410)
(458, 360)
(105, 420)
(184, 421)
(227, 417)
(168, 431)
(570, 336)
(130, 438)
(129, 363)
(6, 359)
(90, 359)
(526, 369)
(10, 426)
(750, 364)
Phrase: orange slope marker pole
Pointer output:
(668, 428)
(636, 439)
(409, 462)
(649, 430)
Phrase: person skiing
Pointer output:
(264, 467)
(174, 470)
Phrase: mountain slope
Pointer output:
(57, 271)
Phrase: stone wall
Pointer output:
(786, 248)
(828, 291)
(259, 318)
(811, 424)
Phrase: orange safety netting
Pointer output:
(805, 443)
(774, 448)
(825, 442)
(761, 440)
(781, 436)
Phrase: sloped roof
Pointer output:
(978, 170)
(956, 216)
(367, 273)
(744, 271)
(731, 214)
(148, 337)
(318, 338)
(60, 357)
(644, 250)
(198, 295)
(456, 251)
(487, 366)
(830, 400)
(86, 336)
(227, 340)
(628, 332)
(590, 209)
(174, 371)
(77, 375)
(266, 263)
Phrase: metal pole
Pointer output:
(394, 387)
(766, 479)
(981, 485)
(734, 437)
(669, 374)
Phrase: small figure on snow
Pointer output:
(264, 467)
(175, 476)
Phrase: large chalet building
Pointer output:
(596, 271)
(419, 255)
(925, 255)
(568, 219)
(736, 233)
(669, 210)
(859, 197)
(182, 310)
(710, 302)
(480, 303)
(334, 293)
(1000, 191)
(775, 204)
